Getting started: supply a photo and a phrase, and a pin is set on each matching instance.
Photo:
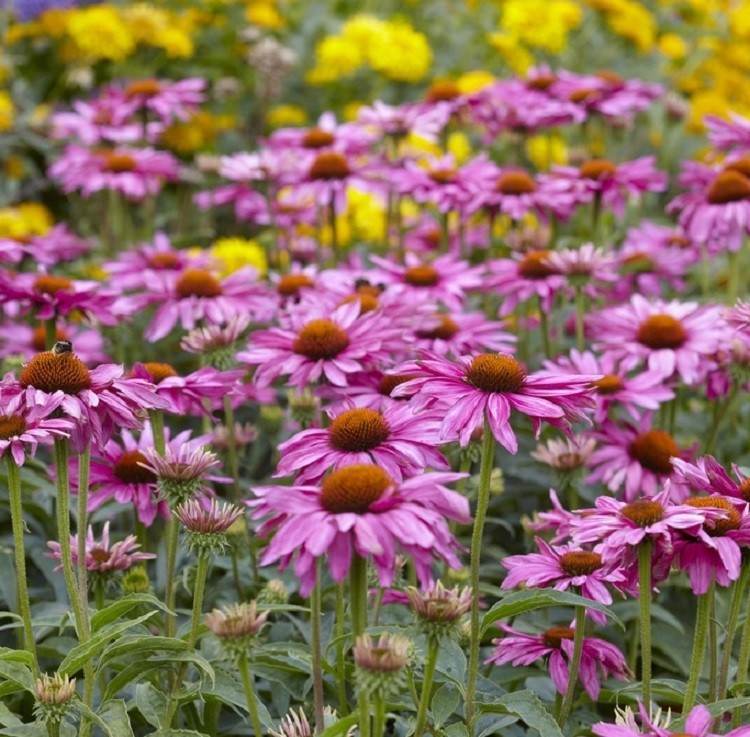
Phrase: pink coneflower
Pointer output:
(23, 428)
(563, 567)
(557, 520)
(318, 343)
(716, 209)
(587, 267)
(401, 443)
(456, 334)
(738, 316)
(167, 100)
(599, 659)
(698, 723)
(100, 120)
(206, 525)
(197, 294)
(613, 184)
(565, 454)
(671, 337)
(54, 296)
(22, 340)
(646, 390)
(56, 245)
(445, 280)
(325, 135)
(133, 172)
(360, 509)
(729, 135)
(491, 384)
(371, 389)
(98, 400)
(636, 456)
(398, 121)
(101, 557)
(522, 277)
(708, 475)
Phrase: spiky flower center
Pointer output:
(496, 373)
(48, 284)
(51, 372)
(290, 284)
(118, 163)
(444, 330)
(638, 262)
(127, 468)
(164, 261)
(643, 512)
(609, 384)
(729, 186)
(580, 563)
(598, 169)
(330, 165)
(653, 449)
(612, 78)
(317, 138)
(741, 165)
(354, 489)
(584, 95)
(159, 371)
(39, 337)
(661, 331)
(443, 176)
(679, 241)
(421, 276)
(100, 555)
(535, 265)
(717, 527)
(554, 636)
(320, 340)
(367, 302)
(541, 82)
(443, 91)
(515, 183)
(197, 283)
(143, 88)
(11, 427)
(388, 382)
(744, 489)
(358, 430)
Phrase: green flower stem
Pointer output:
(575, 665)
(234, 466)
(733, 279)
(699, 648)
(483, 499)
(358, 595)
(316, 646)
(53, 729)
(340, 661)
(378, 729)
(644, 594)
(195, 625)
(249, 688)
(744, 659)
(19, 550)
(50, 332)
(713, 652)
(364, 715)
(84, 466)
(433, 648)
(544, 325)
(580, 314)
(722, 410)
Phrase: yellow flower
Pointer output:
(285, 115)
(459, 145)
(264, 13)
(176, 43)
(335, 57)
(635, 24)
(366, 216)
(7, 111)
(28, 218)
(673, 46)
(14, 167)
(363, 29)
(193, 134)
(351, 110)
(545, 150)
(511, 51)
(400, 54)
(474, 81)
(706, 103)
(100, 33)
(144, 21)
(236, 253)
(542, 24)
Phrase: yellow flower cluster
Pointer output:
(195, 133)
(236, 253)
(630, 20)
(7, 111)
(264, 14)
(391, 48)
(26, 219)
(541, 24)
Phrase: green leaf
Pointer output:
(129, 674)
(80, 655)
(526, 706)
(139, 644)
(7, 717)
(151, 703)
(630, 610)
(26, 730)
(341, 727)
(115, 714)
(176, 733)
(229, 691)
(458, 729)
(15, 669)
(530, 599)
(452, 662)
(121, 607)
(444, 703)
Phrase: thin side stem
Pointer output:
(544, 325)
(249, 688)
(234, 466)
(84, 465)
(743, 662)
(575, 665)
(433, 648)
(699, 648)
(340, 661)
(644, 595)
(50, 332)
(19, 550)
(580, 314)
(358, 595)
(483, 499)
(316, 646)
(378, 729)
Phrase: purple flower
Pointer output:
(23, 428)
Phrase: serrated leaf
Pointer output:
(121, 607)
(80, 655)
(18, 674)
(151, 703)
(529, 600)
(444, 703)
(526, 706)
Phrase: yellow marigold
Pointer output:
(100, 33)
(545, 150)
(363, 29)
(236, 253)
(543, 24)
(343, 231)
(28, 218)
(366, 215)
(351, 110)
(7, 111)
(14, 167)
(474, 80)
(286, 115)
(54, 22)
(739, 20)
(706, 103)
(264, 14)
(673, 46)
(191, 135)
(459, 145)
(176, 43)
(401, 54)
(635, 24)
(144, 21)
(511, 51)
(335, 57)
